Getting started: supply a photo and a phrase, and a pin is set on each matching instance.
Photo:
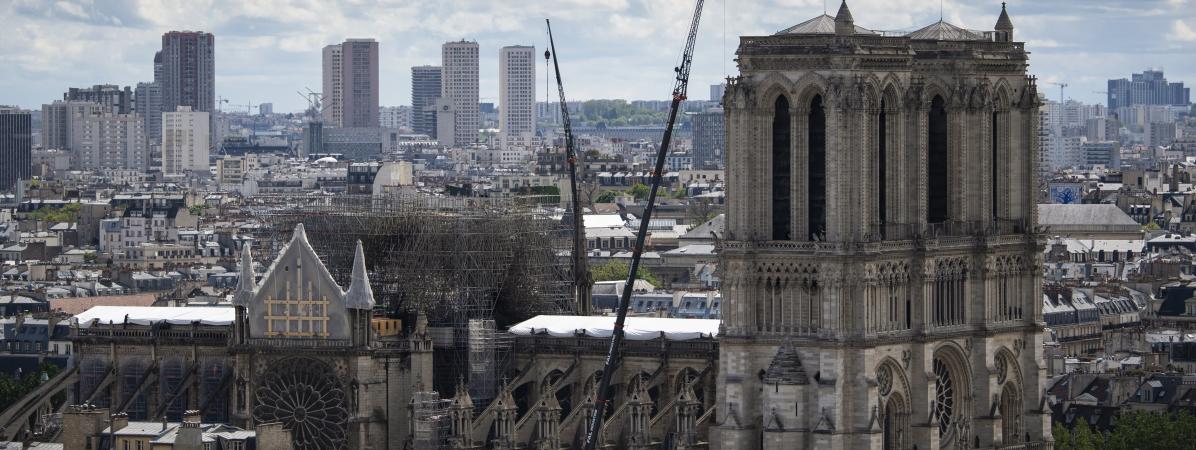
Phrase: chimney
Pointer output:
(119, 421)
(190, 435)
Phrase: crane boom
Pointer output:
(616, 339)
(582, 280)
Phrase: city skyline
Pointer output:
(270, 50)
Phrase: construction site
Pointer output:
(473, 266)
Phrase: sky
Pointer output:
(269, 50)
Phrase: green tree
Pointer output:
(1151, 227)
(1086, 438)
(617, 271)
(1063, 439)
(640, 191)
(607, 197)
(1162, 432)
(65, 213)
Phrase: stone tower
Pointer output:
(881, 267)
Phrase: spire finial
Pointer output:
(246, 282)
(360, 295)
(844, 23)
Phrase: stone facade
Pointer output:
(881, 270)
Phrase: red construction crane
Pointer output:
(616, 339)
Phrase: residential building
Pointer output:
(351, 84)
(114, 99)
(1147, 88)
(459, 86)
(58, 121)
(185, 146)
(16, 146)
(149, 107)
(189, 71)
(710, 138)
(265, 109)
(1104, 153)
(716, 92)
(109, 141)
(517, 95)
(425, 89)
(397, 117)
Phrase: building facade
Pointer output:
(881, 278)
(149, 107)
(58, 121)
(710, 139)
(1147, 88)
(398, 117)
(351, 83)
(114, 99)
(517, 95)
(16, 146)
(425, 89)
(185, 141)
(459, 87)
(188, 73)
(110, 141)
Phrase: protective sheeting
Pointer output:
(636, 328)
(146, 315)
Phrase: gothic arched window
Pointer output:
(937, 187)
(782, 176)
(816, 209)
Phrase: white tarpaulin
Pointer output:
(145, 315)
(636, 328)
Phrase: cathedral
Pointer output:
(882, 271)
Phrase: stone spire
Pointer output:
(844, 23)
(247, 283)
(360, 295)
(1004, 26)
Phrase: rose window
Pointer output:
(307, 398)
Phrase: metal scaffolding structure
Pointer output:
(472, 265)
(430, 420)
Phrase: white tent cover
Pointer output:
(145, 315)
(636, 328)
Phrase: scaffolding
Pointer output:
(430, 421)
(472, 265)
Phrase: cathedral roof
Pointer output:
(786, 367)
(943, 31)
(823, 24)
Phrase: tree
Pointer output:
(1063, 440)
(1162, 432)
(607, 197)
(640, 191)
(1086, 438)
(617, 271)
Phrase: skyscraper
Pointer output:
(188, 66)
(16, 146)
(188, 71)
(185, 143)
(459, 85)
(517, 95)
(114, 99)
(425, 89)
(351, 84)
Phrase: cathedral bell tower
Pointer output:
(882, 274)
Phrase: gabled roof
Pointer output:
(822, 24)
(943, 31)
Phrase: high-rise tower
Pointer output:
(351, 84)
(425, 89)
(188, 69)
(517, 95)
(459, 88)
(882, 275)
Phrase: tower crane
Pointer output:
(616, 338)
(582, 280)
(1061, 87)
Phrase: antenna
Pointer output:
(940, 10)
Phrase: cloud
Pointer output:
(268, 49)
(1180, 31)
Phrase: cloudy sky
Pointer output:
(266, 50)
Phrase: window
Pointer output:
(781, 173)
(937, 164)
(816, 180)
